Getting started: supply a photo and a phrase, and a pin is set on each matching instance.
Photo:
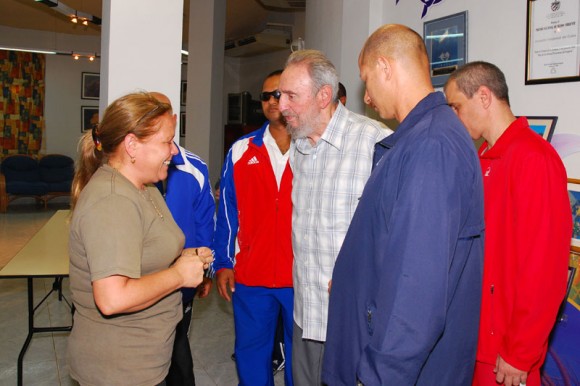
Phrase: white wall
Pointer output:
(62, 102)
(257, 67)
(205, 82)
(135, 54)
(496, 33)
(324, 28)
(33, 39)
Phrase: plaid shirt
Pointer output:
(329, 178)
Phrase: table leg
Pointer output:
(30, 329)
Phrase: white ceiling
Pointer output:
(243, 17)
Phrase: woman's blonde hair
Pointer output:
(134, 113)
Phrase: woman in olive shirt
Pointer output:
(123, 246)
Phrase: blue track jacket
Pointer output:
(190, 199)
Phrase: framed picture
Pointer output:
(574, 195)
(552, 41)
(571, 274)
(446, 42)
(183, 92)
(90, 85)
(543, 125)
(89, 117)
(182, 124)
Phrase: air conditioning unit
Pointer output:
(287, 4)
(273, 38)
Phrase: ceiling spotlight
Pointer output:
(75, 16)
(91, 58)
(76, 56)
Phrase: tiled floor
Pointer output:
(211, 334)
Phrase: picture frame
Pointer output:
(552, 41)
(571, 274)
(182, 124)
(543, 125)
(446, 42)
(89, 117)
(90, 85)
(574, 195)
(183, 98)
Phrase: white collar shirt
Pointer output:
(277, 159)
(329, 178)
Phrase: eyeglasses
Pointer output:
(266, 95)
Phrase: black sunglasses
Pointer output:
(266, 95)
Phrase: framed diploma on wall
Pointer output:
(552, 41)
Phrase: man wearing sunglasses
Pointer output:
(253, 245)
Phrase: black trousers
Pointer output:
(181, 370)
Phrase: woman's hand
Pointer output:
(190, 268)
(204, 254)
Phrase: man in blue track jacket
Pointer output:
(190, 200)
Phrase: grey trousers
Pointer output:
(306, 359)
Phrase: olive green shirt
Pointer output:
(118, 230)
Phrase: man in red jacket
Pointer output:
(528, 229)
(253, 244)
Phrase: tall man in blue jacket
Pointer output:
(404, 304)
(253, 243)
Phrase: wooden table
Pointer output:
(45, 255)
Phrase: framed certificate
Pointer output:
(446, 42)
(552, 52)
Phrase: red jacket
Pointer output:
(253, 230)
(528, 231)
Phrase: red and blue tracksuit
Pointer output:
(253, 237)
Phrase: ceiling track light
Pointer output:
(90, 56)
(29, 50)
(73, 14)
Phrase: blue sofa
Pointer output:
(42, 179)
